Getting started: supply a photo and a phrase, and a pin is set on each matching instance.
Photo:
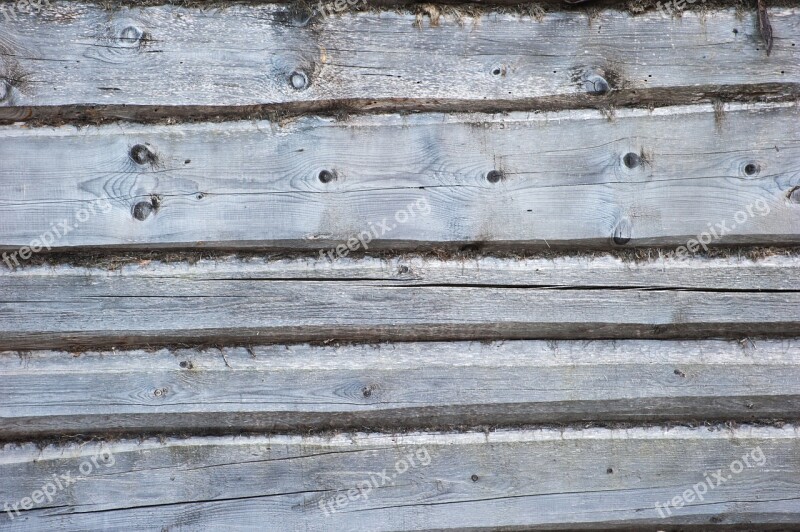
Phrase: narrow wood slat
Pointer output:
(55, 309)
(590, 478)
(74, 53)
(769, 269)
(395, 386)
(405, 182)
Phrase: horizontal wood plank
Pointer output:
(110, 63)
(540, 180)
(55, 308)
(588, 478)
(394, 386)
(768, 269)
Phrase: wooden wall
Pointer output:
(403, 267)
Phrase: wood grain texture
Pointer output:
(58, 308)
(110, 62)
(395, 386)
(567, 179)
(590, 478)
(769, 269)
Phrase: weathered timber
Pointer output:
(395, 386)
(79, 61)
(56, 308)
(589, 478)
(769, 269)
(573, 178)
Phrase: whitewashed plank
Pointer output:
(81, 54)
(590, 478)
(411, 181)
(55, 309)
(395, 386)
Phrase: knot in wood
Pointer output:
(298, 80)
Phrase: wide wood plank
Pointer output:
(163, 58)
(50, 308)
(394, 386)
(589, 478)
(542, 180)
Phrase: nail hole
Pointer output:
(326, 176)
(141, 154)
(632, 160)
(366, 391)
(474, 478)
(200, 195)
(496, 71)
(751, 169)
(679, 373)
(609, 471)
(495, 176)
(298, 80)
(186, 364)
(403, 269)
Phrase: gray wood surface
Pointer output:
(395, 386)
(769, 269)
(56, 308)
(545, 478)
(163, 57)
(411, 181)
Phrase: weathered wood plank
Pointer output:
(53, 309)
(769, 269)
(590, 478)
(568, 179)
(110, 62)
(395, 386)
